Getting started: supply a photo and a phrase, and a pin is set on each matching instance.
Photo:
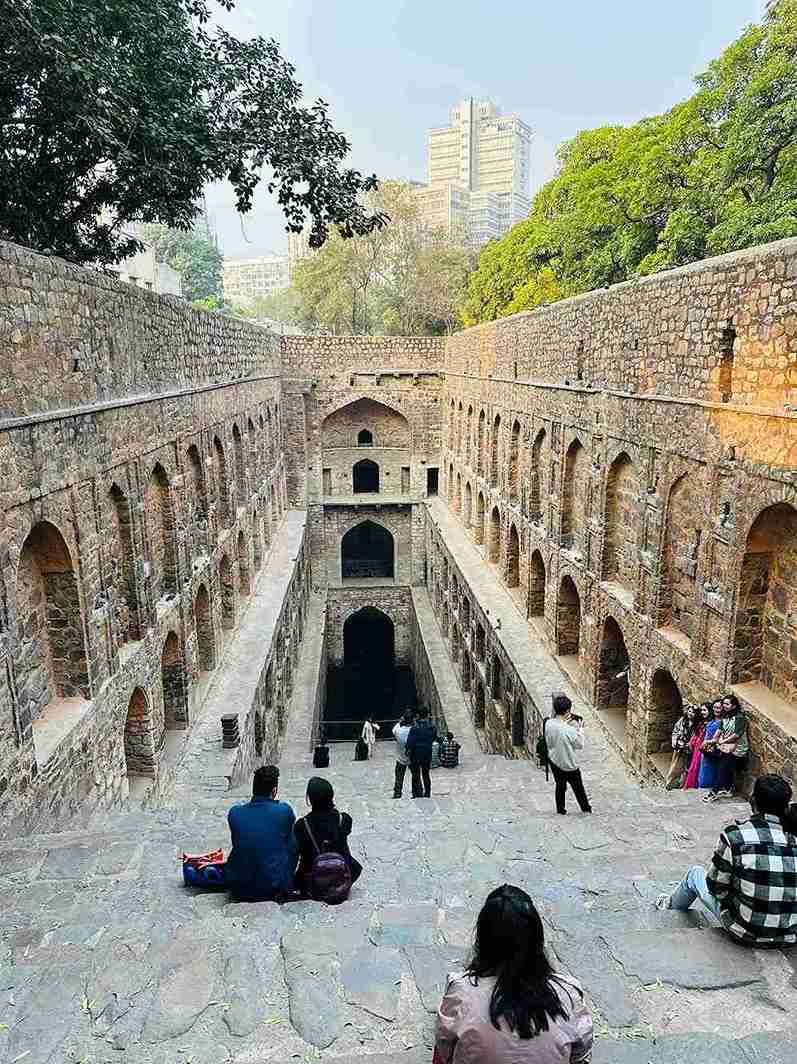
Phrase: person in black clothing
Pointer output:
(419, 749)
(330, 828)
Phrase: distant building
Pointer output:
(246, 280)
(144, 270)
(479, 171)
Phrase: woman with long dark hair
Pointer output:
(329, 831)
(510, 1006)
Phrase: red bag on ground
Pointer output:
(204, 870)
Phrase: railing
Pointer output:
(348, 731)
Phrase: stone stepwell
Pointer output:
(107, 957)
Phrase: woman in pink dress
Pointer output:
(695, 746)
(509, 1006)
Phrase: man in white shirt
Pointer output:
(564, 735)
(400, 733)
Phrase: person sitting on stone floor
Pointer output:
(263, 856)
(509, 1006)
(751, 884)
(323, 830)
(449, 751)
(732, 750)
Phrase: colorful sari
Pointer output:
(696, 756)
(707, 774)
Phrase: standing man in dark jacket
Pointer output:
(263, 856)
(419, 748)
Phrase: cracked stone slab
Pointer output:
(776, 1047)
(314, 1001)
(693, 960)
(16, 862)
(582, 835)
(69, 862)
(185, 987)
(242, 990)
(431, 966)
(406, 925)
(371, 978)
(603, 979)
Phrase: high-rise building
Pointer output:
(486, 155)
(246, 280)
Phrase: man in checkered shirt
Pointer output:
(751, 886)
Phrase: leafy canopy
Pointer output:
(117, 111)
(193, 254)
(716, 173)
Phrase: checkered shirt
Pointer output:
(753, 875)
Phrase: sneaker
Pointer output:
(723, 794)
(562, 812)
(663, 902)
(710, 797)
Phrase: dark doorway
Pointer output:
(365, 438)
(365, 476)
(367, 551)
(613, 668)
(518, 725)
(369, 683)
(432, 481)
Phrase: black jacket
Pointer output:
(420, 739)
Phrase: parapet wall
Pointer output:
(715, 330)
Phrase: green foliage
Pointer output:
(716, 173)
(120, 111)
(193, 254)
(402, 279)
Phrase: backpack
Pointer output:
(330, 876)
(360, 750)
(321, 756)
(542, 750)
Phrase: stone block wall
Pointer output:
(640, 510)
(394, 602)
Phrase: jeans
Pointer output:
(576, 785)
(727, 765)
(419, 769)
(692, 887)
(401, 772)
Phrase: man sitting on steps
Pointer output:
(263, 856)
(751, 884)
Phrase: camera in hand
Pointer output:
(576, 719)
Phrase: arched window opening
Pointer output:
(682, 536)
(666, 706)
(535, 476)
(620, 555)
(466, 673)
(138, 737)
(365, 438)
(469, 437)
(478, 641)
(480, 441)
(203, 622)
(514, 462)
(222, 481)
(367, 552)
(518, 725)
(227, 585)
(365, 477)
(727, 343)
(175, 702)
(614, 668)
(478, 706)
(478, 530)
(161, 524)
(459, 429)
(494, 449)
(468, 505)
(243, 566)
(240, 473)
(513, 559)
(123, 564)
(573, 495)
(458, 495)
(452, 427)
(52, 662)
(765, 632)
(494, 546)
(497, 687)
(536, 585)
(197, 502)
(568, 619)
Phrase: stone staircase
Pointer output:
(107, 957)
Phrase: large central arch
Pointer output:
(365, 477)
(369, 641)
(367, 550)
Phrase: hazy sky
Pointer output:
(391, 69)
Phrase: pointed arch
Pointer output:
(139, 738)
(495, 440)
(197, 501)
(240, 471)
(242, 551)
(536, 606)
(513, 558)
(467, 515)
(203, 624)
(124, 563)
(365, 477)
(160, 518)
(222, 480)
(619, 551)
(173, 684)
(367, 550)
(469, 437)
(568, 619)
(480, 441)
(514, 462)
(494, 544)
(535, 476)
(614, 668)
(682, 537)
(478, 531)
(573, 492)
(227, 587)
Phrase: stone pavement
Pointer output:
(106, 957)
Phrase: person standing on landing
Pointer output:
(419, 748)
(564, 736)
(369, 736)
(401, 732)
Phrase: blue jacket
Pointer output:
(420, 739)
(263, 857)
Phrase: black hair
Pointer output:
(510, 945)
(789, 820)
(561, 705)
(320, 794)
(771, 794)
(265, 781)
(449, 735)
(737, 708)
(407, 718)
(423, 712)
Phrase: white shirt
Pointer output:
(563, 740)
(400, 734)
(369, 733)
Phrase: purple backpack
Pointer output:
(330, 876)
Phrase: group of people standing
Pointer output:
(710, 744)
(417, 743)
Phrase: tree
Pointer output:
(716, 173)
(122, 111)
(400, 279)
(193, 254)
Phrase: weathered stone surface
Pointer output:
(431, 966)
(406, 925)
(186, 985)
(371, 978)
(243, 991)
(314, 996)
(704, 960)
